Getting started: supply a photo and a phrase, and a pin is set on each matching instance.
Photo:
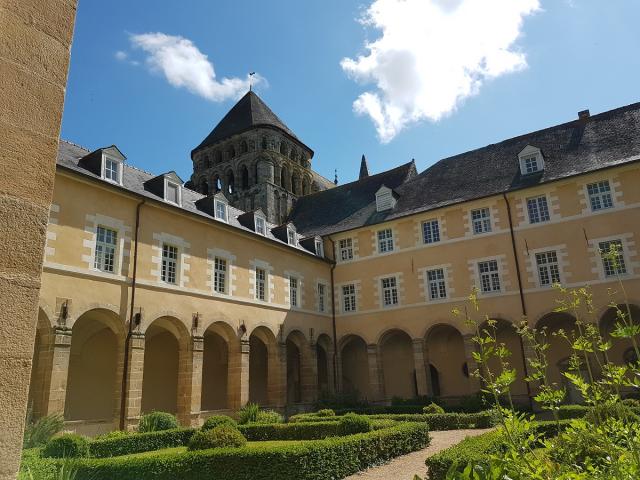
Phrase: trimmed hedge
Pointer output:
(218, 437)
(579, 411)
(217, 420)
(157, 421)
(67, 445)
(140, 442)
(301, 430)
(352, 423)
(314, 460)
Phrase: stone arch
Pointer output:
(244, 175)
(295, 345)
(619, 352)
(42, 365)
(232, 152)
(220, 352)
(398, 369)
(230, 185)
(216, 184)
(166, 364)
(446, 363)
(283, 148)
(354, 366)
(324, 354)
(295, 182)
(244, 148)
(285, 178)
(263, 366)
(95, 369)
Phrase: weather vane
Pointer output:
(251, 74)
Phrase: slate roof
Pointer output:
(250, 112)
(133, 180)
(573, 148)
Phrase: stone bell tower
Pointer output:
(256, 161)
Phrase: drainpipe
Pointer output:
(523, 305)
(127, 342)
(333, 320)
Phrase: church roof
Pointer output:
(250, 112)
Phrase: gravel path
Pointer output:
(405, 467)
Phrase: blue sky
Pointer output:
(439, 77)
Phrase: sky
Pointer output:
(394, 80)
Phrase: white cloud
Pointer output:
(183, 65)
(120, 55)
(432, 54)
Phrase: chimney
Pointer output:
(364, 168)
(583, 115)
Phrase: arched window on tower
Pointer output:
(204, 187)
(217, 184)
(283, 178)
(232, 152)
(244, 148)
(231, 186)
(305, 187)
(208, 162)
(294, 184)
(283, 148)
(245, 177)
(218, 158)
(264, 143)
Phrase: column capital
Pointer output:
(245, 346)
(137, 341)
(197, 343)
(62, 336)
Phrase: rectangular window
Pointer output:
(430, 231)
(548, 270)
(321, 299)
(538, 209)
(349, 298)
(436, 284)
(220, 275)
(346, 249)
(612, 258)
(319, 248)
(169, 263)
(481, 220)
(260, 226)
(530, 164)
(489, 276)
(221, 211)
(105, 249)
(600, 195)
(291, 236)
(385, 240)
(172, 193)
(389, 291)
(293, 291)
(261, 283)
(112, 170)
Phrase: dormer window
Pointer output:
(385, 199)
(261, 227)
(221, 210)
(531, 160)
(291, 236)
(319, 247)
(172, 192)
(111, 169)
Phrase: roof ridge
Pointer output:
(74, 144)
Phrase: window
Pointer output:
(389, 291)
(481, 219)
(489, 276)
(385, 240)
(349, 298)
(260, 226)
(221, 210)
(530, 164)
(321, 297)
(169, 263)
(293, 291)
(612, 258)
(600, 195)
(291, 236)
(346, 249)
(220, 275)
(105, 249)
(538, 209)
(436, 284)
(384, 199)
(111, 170)
(261, 282)
(319, 248)
(531, 160)
(172, 193)
(548, 270)
(430, 231)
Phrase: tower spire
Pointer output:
(335, 180)
(364, 168)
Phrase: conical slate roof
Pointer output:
(248, 113)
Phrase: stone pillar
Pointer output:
(309, 374)
(375, 373)
(189, 355)
(280, 380)
(238, 378)
(469, 348)
(420, 366)
(197, 353)
(135, 376)
(61, 351)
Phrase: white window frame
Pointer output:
(261, 225)
(220, 275)
(294, 292)
(167, 184)
(437, 284)
(118, 164)
(538, 209)
(528, 157)
(600, 195)
(390, 296)
(319, 247)
(103, 249)
(486, 271)
(349, 297)
(548, 268)
(608, 268)
(482, 221)
(221, 214)
(384, 239)
(321, 289)
(167, 261)
(430, 231)
(291, 236)
(345, 248)
(261, 284)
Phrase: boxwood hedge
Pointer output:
(140, 442)
(335, 457)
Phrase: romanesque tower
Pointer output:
(256, 161)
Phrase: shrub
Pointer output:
(327, 412)
(314, 460)
(67, 445)
(218, 437)
(248, 413)
(37, 433)
(352, 423)
(140, 442)
(433, 408)
(269, 416)
(157, 421)
(113, 434)
(217, 420)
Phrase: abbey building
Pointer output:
(260, 280)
